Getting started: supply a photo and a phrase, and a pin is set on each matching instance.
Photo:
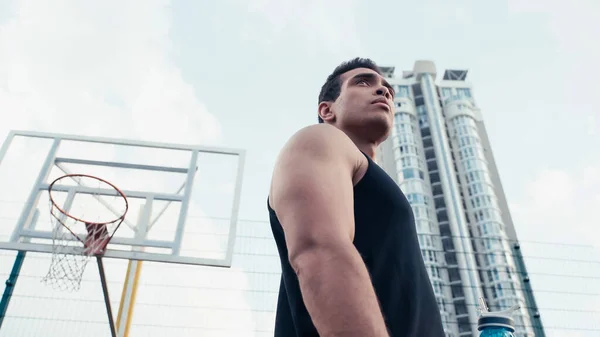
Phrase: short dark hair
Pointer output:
(332, 88)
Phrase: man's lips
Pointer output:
(382, 102)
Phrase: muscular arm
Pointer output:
(312, 193)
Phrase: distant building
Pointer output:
(439, 153)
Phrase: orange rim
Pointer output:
(92, 177)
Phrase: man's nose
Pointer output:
(384, 91)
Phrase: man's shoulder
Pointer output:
(316, 147)
(319, 133)
(318, 142)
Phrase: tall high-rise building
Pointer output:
(439, 154)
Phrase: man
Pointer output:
(351, 262)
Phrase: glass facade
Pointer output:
(410, 162)
(494, 253)
(457, 224)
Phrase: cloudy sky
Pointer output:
(246, 74)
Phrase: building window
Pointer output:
(402, 91)
(446, 92)
(408, 173)
(463, 92)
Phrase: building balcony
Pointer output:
(456, 98)
(461, 106)
(404, 105)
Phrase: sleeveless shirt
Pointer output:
(386, 238)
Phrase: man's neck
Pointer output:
(369, 148)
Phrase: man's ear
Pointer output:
(325, 112)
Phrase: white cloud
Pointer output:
(328, 26)
(551, 189)
(561, 207)
(103, 69)
(96, 68)
(100, 68)
(593, 124)
(558, 206)
(575, 28)
(591, 176)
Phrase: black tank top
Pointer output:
(386, 238)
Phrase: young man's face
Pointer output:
(365, 100)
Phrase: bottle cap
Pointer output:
(496, 319)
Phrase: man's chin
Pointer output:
(377, 127)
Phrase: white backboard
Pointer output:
(183, 199)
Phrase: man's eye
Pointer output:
(362, 81)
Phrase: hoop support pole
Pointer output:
(111, 321)
(16, 270)
(132, 277)
(11, 283)
(128, 297)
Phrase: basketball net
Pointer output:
(81, 227)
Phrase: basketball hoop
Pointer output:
(82, 225)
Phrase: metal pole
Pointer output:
(111, 322)
(16, 270)
(128, 298)
(133, 273)
(11, 283)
